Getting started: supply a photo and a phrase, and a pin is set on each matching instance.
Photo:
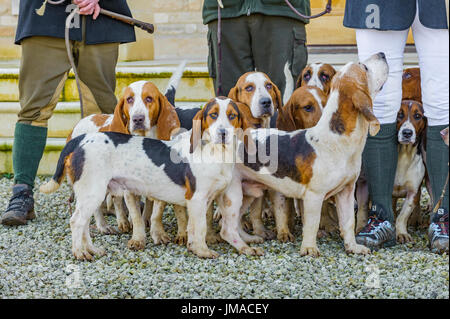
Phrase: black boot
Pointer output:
(20, 208)
(438, 232)
(379, 232)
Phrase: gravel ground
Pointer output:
(36, 262)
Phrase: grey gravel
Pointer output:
(36, 262)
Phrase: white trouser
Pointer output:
(432, 47)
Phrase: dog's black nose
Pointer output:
(382, 55)
(407, 133)
(265, 102)
(138, 119)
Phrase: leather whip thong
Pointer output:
(220, 6)
(148, 27)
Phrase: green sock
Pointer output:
(29, 145)
(380, 158)
(437, 163)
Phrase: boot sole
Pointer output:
(16, 221)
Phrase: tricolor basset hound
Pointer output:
(317, 163)
(303, 110)
(319, 75)
(189, 171)
(144, 111)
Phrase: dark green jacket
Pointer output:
(237, 8)
(52, 23)
(396, 15)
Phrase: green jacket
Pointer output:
(237, 8)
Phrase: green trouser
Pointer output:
(43, 71)
(380, 158)
(257, 42)
(437, 164)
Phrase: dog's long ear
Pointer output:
(121, 118)
(363, 102)
(300, 79)
(285, 120)
(168, 121)
(278, 99)
(197, 130)
(234, 94)
(244, 134)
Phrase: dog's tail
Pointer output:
(174, 82)
(53, 185)
(289, 83)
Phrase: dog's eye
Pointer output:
(130, 100)
(324, 77)
(214, 116)
(309, 108)
(417, 116)
(307, 77)
(269, 86)
(232, 116)
(149, 99)
(249, 88)
(401, 116)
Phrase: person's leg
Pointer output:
(276, 41)
(43, 71)
(96, 65)
(380, 155)
(432, 47)
(237, 55)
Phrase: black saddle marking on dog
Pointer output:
(160, 154)
(291, 149)
(186, 116)
(119, 138)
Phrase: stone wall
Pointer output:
(178, 22)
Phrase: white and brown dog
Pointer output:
(317, 163)
(319, 75)
(126, 165)
(144, 111)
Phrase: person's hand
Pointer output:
(88, 7)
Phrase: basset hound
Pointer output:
(189, 171)
(317, 163)
(144, 111)
(319, 75)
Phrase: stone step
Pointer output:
(48, 162)
(195, 85)
(64, 118)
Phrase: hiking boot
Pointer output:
(20, 208)
(438, 232)
(379, 232)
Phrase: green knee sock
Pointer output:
(380, 158)
(437, 163)
(29, 145)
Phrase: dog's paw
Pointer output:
(124, 227)
(404, 238)
(357, 250)
(309, 251)
(96, 251)
(253, 239)
(205, 253)
(136, 244)
(265, 234)
(213, 238)
(107, 230)
(82, 255)
(181, 239)
(285, 237)
(160, 237)
(251, 251)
